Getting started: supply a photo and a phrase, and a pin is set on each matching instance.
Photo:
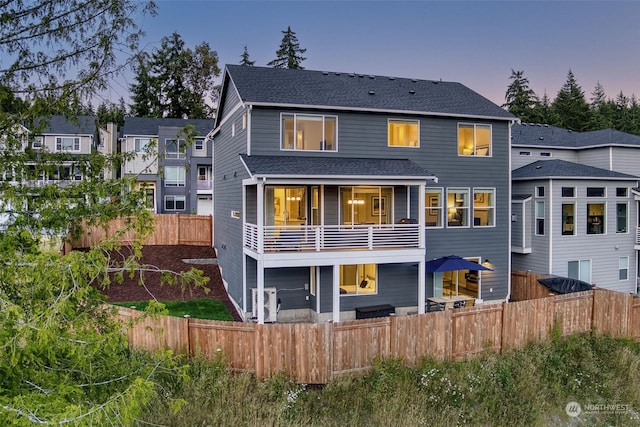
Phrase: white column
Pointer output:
(260, 284)
(421, 219)
(422, 285)
(336, 293)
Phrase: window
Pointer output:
(568, 191)
(433, 208)
(174, 203)
(539, 191)
(580, 270)
(358, 279)
(545, 154)
(623, 268)
(404, 133)
(174, 176)
(366, 205)
(233, 129)
(244, 120)
(142, 144)
(67, 144)
(483, 207)
(540, 218)
(595, 218)
(622, 192)
(198, 145)
(457, 207)
(174, 148)
(312, 279)
(474, 140)
(568, 219)
(621, 217)
(308, 132)
(525, 153)
(37, 142)
(595, 192)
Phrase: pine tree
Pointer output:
(601, 112)
(244, 58)
(520, 98)
(290, 53)
(175, 81)
(571, 110)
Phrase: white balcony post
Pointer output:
(370, 237)
(336, 293)
(421, 219)
(260, 215)
(421, 287)
(260, 280)
(317, 238)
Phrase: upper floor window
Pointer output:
(198, 145)
(568, 191)
(568, 219)
(174, 203)
(68, 144)
(37, 142)
(525, 153)
(141, 144)
(484, 207)
(175, 176)
(595, 218)
(474, 140)
(595, 192)
(307, 132)
(404, 133)
(539, 191)
(545, 154)
(621, 217)
(622, 192)
(457, 207)
(175, 148)
(540, 217)
(433, 208)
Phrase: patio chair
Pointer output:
(435, 306)
(460, 304)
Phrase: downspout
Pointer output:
(509, 217)
(551, 225)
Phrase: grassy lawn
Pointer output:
(200, 309)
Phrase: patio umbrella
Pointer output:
(565, 285)
(452, 263)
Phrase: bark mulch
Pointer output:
(171, 258)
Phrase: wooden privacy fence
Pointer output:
(317, 353)
(170, 229)
(525, 286)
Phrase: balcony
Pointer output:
(313, 238)
(204, 185)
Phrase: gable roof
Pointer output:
(149, 125)
(348, 91)
(333, 167)
(548, 169)
(61, 125)
(542, 135)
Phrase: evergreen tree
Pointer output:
(601, 112)
(290, 53)
(542, 111)
(244, 58)
(571, 110)
(520, 98)
(110, 112)
(174, 81)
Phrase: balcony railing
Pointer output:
(331, 237)
(205, 184)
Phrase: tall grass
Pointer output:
(527, 387)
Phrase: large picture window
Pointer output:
(358, 279)
(474, 140)
(174, 176)
(68, 144)
(141, 144)
(457, 207)
(434, 207)
(404, 133)
(484, 207)
(306, 132)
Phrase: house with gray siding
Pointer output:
(332, 190)
(574, 220)
(176, 174)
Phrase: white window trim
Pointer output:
(405, 121)
(575, 219)
(181, 180)
(468, 206)
(175, 154)
(295, 122)
(75, 138)
(627, 217)
(620, 269)
(202, 144)
(475, 147)
(484, 208)
(543, 217)
(441, 208)
(175, 198)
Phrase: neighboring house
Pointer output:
(180, 179)
(332, 190)
(575, 214)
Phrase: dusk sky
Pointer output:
(476, 43)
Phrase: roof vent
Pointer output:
(392, 78)
(352, 75)
(337, 74)
(541, 138)
(539, 167)
(372, 92)
(372, 77)
(412, 92)
(414, 80)
(325, 73)
(435, 82)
